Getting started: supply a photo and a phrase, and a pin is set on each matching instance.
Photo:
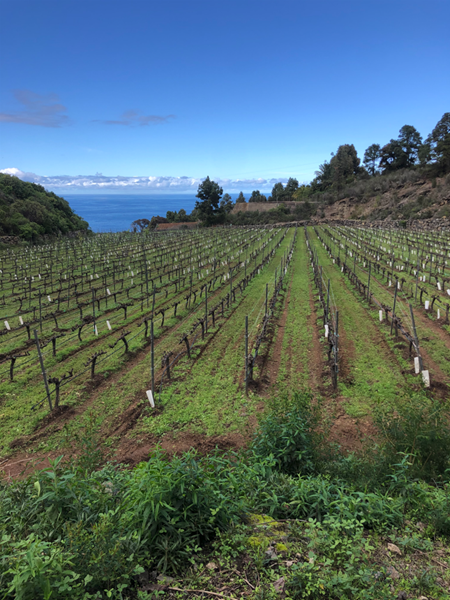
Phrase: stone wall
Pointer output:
(9, 239)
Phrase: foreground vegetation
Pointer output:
(290, 516)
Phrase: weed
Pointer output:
(418, 427)
(287, 434)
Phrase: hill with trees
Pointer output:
(406, 178)
(29, 211)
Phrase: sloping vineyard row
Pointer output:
(173, 277)
(58, 366)
(396, 322)
(109, 318)
(425, 274)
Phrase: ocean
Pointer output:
(116, 212)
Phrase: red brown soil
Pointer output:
(129, 451)
(132, 452)
(349, 432)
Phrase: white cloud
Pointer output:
(98, 181)
(13, 171)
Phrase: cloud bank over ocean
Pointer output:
(77, 183)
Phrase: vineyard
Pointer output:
(181, 338)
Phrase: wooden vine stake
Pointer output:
(44, 374)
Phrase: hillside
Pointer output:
(406, 195)
(401, 196)
(28, 211)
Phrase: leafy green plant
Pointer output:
(420, 428)
(287, 434)
(33, 569)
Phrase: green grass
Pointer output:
(28, 385)
(295, 368)
(374, 373)
(210, 398)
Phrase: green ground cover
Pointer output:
(294, 372)
(210, 397)
(431, 340)
(375, 375)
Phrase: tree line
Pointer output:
(407, 151)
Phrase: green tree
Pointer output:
(240, 198)
(393, 157)
(140, 224)
(278, 192)
(302, 193)
(209, 194)
(372, 158)
(345, 165)
(257, 197)
(424, 154)
(291, 188)
(439, 144)
(410, 141)
(29, 211)
(226, 204)
(324, 178)
(181, 216)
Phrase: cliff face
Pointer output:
(404, 196)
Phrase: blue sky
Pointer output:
(247, 92)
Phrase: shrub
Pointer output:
(420, 428)
(287, 434)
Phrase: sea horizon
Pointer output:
(116, 212)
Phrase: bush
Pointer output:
(79, 534)
(288, 435)
(419, 428)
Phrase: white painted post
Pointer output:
(416, 365)
(150, 398)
